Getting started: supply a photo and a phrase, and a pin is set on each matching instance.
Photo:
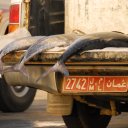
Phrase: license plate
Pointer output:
(76, 84)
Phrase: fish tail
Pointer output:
(58, 67)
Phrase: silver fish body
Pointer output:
(48, 43)
(41, 46)
(8, 38)
(88, 42)
(19, 44)
(95, 41)
(18, 33)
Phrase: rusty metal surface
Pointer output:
(18, 79)
(106, 56)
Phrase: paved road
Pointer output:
(37, 117)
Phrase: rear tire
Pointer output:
(90, 117)
(73, 121)
(15, 99)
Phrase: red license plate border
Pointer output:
(104, 88)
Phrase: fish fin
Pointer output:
(24, 71)
(58, 67)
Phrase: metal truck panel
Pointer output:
(47, 84)
(96, 15)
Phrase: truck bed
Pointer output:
(105, 62)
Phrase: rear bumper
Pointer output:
(53, 82)
(47, 84)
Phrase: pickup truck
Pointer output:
(97, 86)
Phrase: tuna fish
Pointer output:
(19, 44)
(88, 42)
(8, 38)
(41, 46)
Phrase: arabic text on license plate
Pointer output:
(95, 84)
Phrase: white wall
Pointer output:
(96, 15)
(4, 4)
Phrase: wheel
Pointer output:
(90, 117)
(15, 99)
(73, 121)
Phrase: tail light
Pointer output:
(14, 13)
(14, 18)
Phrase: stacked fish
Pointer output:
(34, 45)
(76, 44)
